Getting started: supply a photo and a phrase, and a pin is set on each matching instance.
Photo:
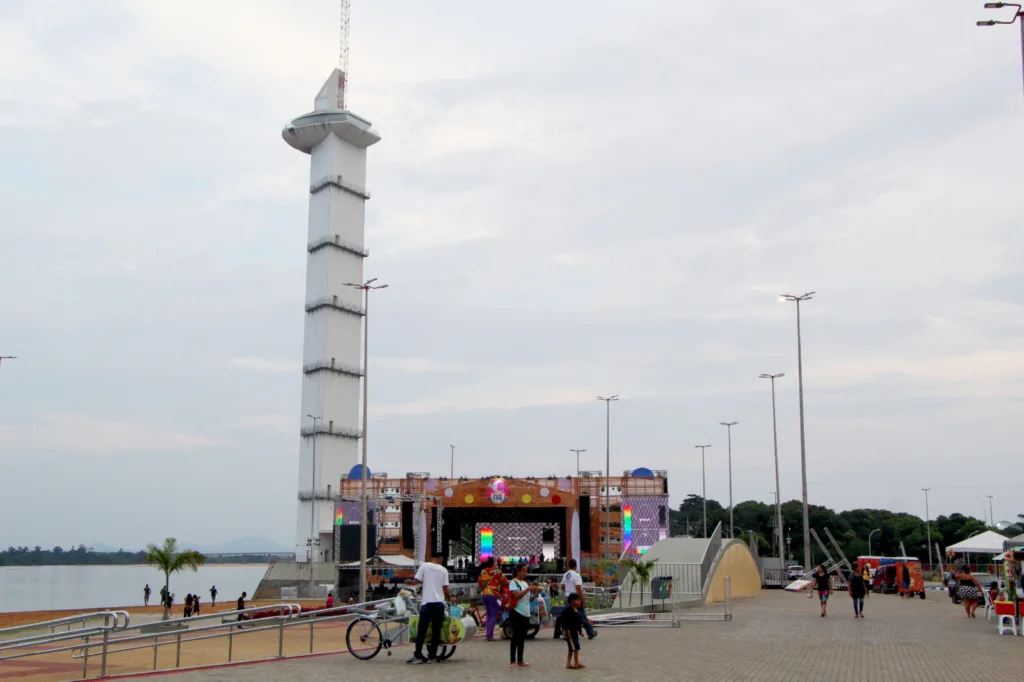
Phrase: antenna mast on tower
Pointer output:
(346, 8)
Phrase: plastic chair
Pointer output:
(1007, 622)
(989, 606)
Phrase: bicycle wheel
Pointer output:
(445, 652)
(364, 638)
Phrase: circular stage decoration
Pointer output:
(556, 499)
(527, 498)
(564, 484)
(356, 473)
(642, 472)
(448, 492)
(544, 492)
(469, 499)
(498, 491)
(430, 485)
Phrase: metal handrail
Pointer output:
(71, 620)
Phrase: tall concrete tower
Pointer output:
(336, 140)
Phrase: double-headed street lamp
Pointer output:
(366, 287)
(1018, 14)
(728, 426)
(608, 466)
(703, 486)
(577, 458)
(803, 441)
(775, 443)
(928, 524)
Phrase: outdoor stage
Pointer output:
(589, 518)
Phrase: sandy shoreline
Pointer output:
(15, 618)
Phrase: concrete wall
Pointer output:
(738, 563)
(295, 575)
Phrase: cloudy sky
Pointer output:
(570, 199)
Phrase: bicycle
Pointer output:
(367, 635)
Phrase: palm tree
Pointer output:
(169, 560)
(640, 571)
(604, 567)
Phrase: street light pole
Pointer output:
(703, 487)
(803, 440)
(775, 445)
(452, 474)
(313, 507)
(366, 288)
(577, 458)
(928, 524)
(877, 530)
(608, 466)
(728, 426)
(991, 516)
(1018, 14)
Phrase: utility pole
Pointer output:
(991, 516)
(728, 426)
(366, 287)
(703, 486)
(803, 440)
(775, 445)
(928, 524)
(608, 466)
(577, 458)
(452, 474)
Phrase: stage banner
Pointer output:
(576, 554)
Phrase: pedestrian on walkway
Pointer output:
(213, 596)
(492, 581)
(572, 624)
(823, 588)
(519, 592)
(969, 590)
(188, 605)
(857, 592)
(145, 594)
(572, 583)
(433, 596)
(195, 604)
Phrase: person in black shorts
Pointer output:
(823, 588)
(572, 626)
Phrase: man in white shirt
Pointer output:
(572, 582)
(434, 578)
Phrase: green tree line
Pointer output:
(850, 528)
(83, 556)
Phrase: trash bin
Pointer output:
(661, 587)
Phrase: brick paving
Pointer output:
(777, 637)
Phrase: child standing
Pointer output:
(572, 626)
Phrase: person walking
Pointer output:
(240, 605)
(572, 583)
(433, 596)
(866, 575)
(520, 593)
(195, 604)
(969, 590)
(188, 605)
(145, 594)
(857, 591)
(823, 588)
(492, 581)
(213, 596)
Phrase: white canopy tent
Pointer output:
(988, 542)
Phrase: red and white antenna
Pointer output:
(346, 9)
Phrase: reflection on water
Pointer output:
(46, 588)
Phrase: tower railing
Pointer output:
(331, 430)
(336, 303)
(336, 241)
(332, 366)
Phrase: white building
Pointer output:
(336, 141)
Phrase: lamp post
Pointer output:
(775, 536)
(577, 458)
(991, 516)
(7, 357)
(877, 530)
(803, 440)
(728, 427)
(703, 487)
(366, 287)
(1018, 14)
(928, 524)
(313, 508)
(452, 473)
(608, 466)
(775, 445)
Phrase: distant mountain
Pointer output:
(246, 545)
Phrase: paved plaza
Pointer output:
(777, 637)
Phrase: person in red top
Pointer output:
(491, 582)
(330, 600)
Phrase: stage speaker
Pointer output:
(585, 523)
(548, 535)
(408, 526)
(664, 486)
(662, 512)
(350, 540)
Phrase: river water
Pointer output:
(49, 588)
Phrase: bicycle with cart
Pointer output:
(540, 615)
(390, 624)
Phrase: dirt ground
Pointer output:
(8, 620)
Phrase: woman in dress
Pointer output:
(522, 592)
(823, 588)
(491, 582)
(969, 590)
